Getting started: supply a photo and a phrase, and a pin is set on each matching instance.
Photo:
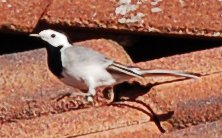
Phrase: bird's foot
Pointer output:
(90, 98)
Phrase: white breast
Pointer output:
(78, 76)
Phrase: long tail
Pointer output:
(137, 72)
(168, 72)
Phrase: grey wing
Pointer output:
(85, 56)
(79, 58)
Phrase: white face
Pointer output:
(52, 37)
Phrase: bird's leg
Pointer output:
(91, 91)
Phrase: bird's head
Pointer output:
(54, 38)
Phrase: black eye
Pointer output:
(53, 35)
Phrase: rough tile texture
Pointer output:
(22, 15)
(167, 17)
(80, 122)
(206, 130)
(142, 130)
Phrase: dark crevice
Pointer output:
(139, 46)
(12, 43)
(153, 47)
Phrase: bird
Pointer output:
(87, 69)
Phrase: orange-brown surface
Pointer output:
(198, 18)
(21, 16)
(31, 98)
(172, 17)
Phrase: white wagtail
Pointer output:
(86, 69)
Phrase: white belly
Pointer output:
(79, 78)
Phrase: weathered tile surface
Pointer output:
(21, 15)
(167, 17)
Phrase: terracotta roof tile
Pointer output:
(206, 130)
(167, 17)
(21, 16)
(81, 122)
